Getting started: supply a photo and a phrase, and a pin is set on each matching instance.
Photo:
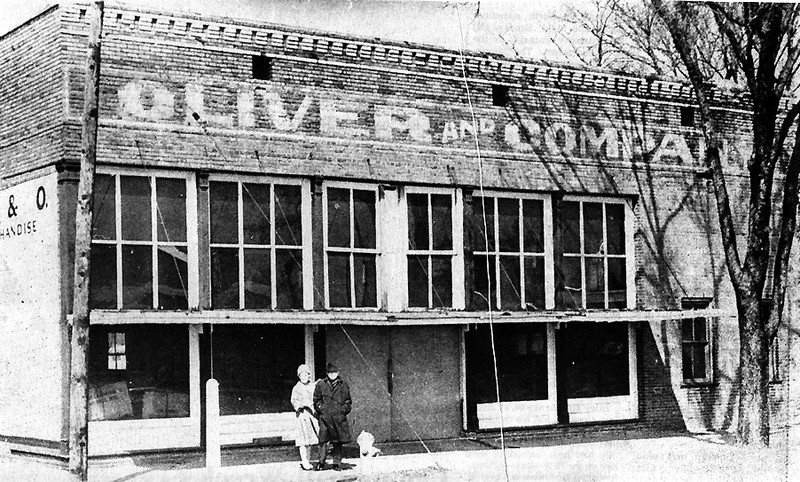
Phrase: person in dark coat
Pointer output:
(332, 403)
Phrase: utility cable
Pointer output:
(485, 234)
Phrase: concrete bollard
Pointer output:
(213, 456)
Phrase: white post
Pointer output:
(213, 457)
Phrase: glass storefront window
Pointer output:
(430, 250)
(351, 247)
(594, 359)
(513, 242)
(594, 266)
(256, 366)
(256, 245)
(135, 217)
(138, 372)
(521, 362)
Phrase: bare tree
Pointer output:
(763, 41)
(630, 36)
(755, 47)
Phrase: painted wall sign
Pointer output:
(276, 108)
(30, 310)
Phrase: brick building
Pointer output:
(269, 196)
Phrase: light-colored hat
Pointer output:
(303, 369)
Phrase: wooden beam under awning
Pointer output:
(409, 318)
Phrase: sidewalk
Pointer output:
(669, 458)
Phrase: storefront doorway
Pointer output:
(404, 380)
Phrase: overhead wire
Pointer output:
(485, 233)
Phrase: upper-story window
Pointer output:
(696, 353)
(510, 252)
(434, 241)
(259, 247)
(597, 257)
(351, 246)
(140, 250)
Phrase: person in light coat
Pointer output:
(332, 403)
(307, 425)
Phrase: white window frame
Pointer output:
(547, 254)
(629, 256)
(240, 245)
(709, 342)
(191, 230)
(117, 352)
(351, 186)
(456, 252)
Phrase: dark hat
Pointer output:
(331, 368)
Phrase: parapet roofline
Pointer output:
(258, 36)
(25, 23)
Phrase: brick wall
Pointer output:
(344, 108)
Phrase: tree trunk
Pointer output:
(753, 428)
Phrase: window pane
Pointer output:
(571, 295)
(592, 228)
(418, 221)
(442, 280)
(104, 217)
(533, 225)
(687, 362)
(137, 277)
(481, 235)
(480, 280)
(508, 224)
(699, 357)
(365, 280)
(595, 359)
(570, 223)
(151, 380)
(288, 216)
(442, 218)
(687, 330)
(136, 208)
(255, 213)
(615, 228)
(617, 284)
(339, 280)
(224, 212)
(700, 329)
(339, 218)
(289, 278)
(510, 292)
(364, 219)
(595, 283)
(534, 283)
(103, 288)
(171, 209)
(418, 281)
(521, 362)
(225, 278)
(256, 366)
(172, 278)
(257, 279)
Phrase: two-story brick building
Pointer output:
(268, 196)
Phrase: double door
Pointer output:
(404, 380)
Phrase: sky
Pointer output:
(509, 27)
